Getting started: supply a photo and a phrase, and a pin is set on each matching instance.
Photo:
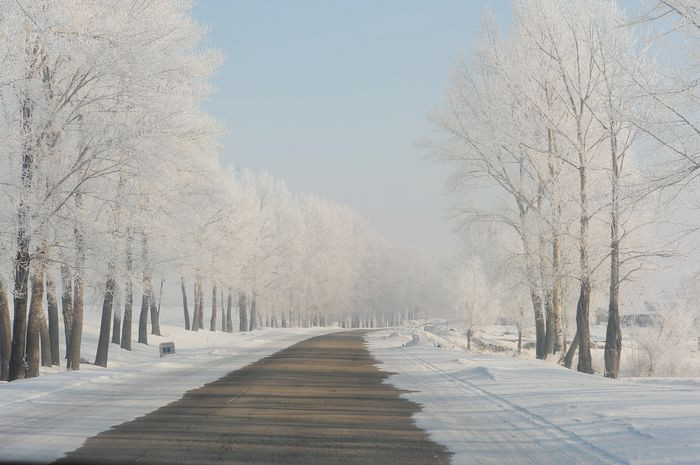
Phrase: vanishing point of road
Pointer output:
(321, 401)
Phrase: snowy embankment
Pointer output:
(491, 408)
(44, 417)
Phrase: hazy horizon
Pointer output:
(332, 96)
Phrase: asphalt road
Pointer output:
(321, 401)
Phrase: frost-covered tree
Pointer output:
(95, 89)
(541, 128)
(110, 182)
(476, 296)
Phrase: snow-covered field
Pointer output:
(44, 417)
(676, 358)
(487, 408)
(499, 409)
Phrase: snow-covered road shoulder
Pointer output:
(492, 408)
(44, 417)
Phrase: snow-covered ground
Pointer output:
(676, 358)
(44, 417)
(499, 409)
(487, 408)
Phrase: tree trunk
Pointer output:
(549, 316)
(67, 305)
(229, 308)
(557, 325)
(146, 292)
(79, 289)
(33, 348)
(21, 264)
(613, 335)
(52, 305)
(5, 335)
(545, 343)
(184, 302)
(212, 322)
(155, 310)
(46, 358)
(540, 329)
(569, 357)
(128, 292)
(223, 311)
(583, 329)
(583, 305)
(77, 330)
(200, 298)
(106, 320)
(108, 300)
(116, 327)
(557, 305)
(38, 292)
(195, 314)
(19, 324)
(242, 313)
(253, 314)
(535, 290)
(116, 315)
(143, 315)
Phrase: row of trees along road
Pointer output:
(564, 132)
(109, 181)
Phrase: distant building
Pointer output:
(644, 318)
(647, 317)
(601, 316)
(638, 319)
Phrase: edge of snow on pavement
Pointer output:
(43, 418)
(491, 408)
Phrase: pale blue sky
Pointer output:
(331, 95)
